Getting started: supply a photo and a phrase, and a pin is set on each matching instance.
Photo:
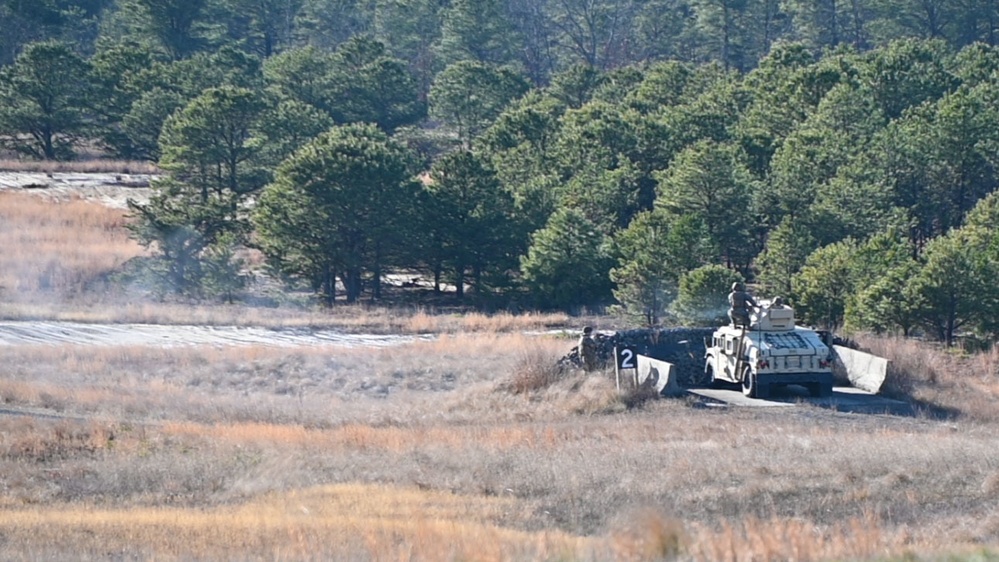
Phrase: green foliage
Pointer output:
(224, 270)
(788, 247)
(469, 218)
(823, 286)
(591, 32)
(888, 304)
(410, 29)
(286, 127)
(75, 23)
(567, 263)
(478, 31)
(179, 226)
(827, 23)
(366, 86)
(906, 73)
(652, 254)
(338, 207)
(709, 182)
(859, 127)
(865, 285)
(302, 75)
(261, 27)
(178, 27)
(327, 24)
(469, 96)
(207, 143)
(114, 72)
(956, 288)
(702, 299)
(727, 32)
(196, 216)
(357, 84)
(575, 86)
(663, 85)
(141, 126)
(596, 136)
(521, 146)
(43, 101)
(717, 102)
(937, 160)
(803, 168)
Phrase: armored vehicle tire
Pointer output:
(709, 374)
(820, 390)
(752, 387)
(749, 387)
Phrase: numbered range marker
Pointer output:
(626, 357)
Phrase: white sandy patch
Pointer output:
(112, 190)
(74, 333)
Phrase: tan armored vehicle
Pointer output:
(771, 351)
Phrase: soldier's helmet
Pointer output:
(736, 286)
(588, 330)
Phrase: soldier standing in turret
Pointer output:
(587, 350)
(739, 302)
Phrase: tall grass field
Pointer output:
(468, 445)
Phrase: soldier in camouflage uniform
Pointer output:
(587, 350)
(739, 302)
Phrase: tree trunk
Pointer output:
(328, 286)
(477, 279)
(49, 146)
(353, 283)
(376, 287)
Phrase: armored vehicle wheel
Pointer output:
(709, 374)
(820, 390)
(749, 383)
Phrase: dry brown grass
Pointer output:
(343, 522)
(950, 381)
(775, 487)
(536, 369)
(374, 522)
(433, 451)
(80, 166)
(58, 252)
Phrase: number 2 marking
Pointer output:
(627, 359)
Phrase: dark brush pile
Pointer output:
(683, 347)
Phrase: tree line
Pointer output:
(538, 38)
(856, 182)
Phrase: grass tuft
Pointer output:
(536, 369)
(648, 534)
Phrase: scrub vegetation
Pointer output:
(471, 445)
(487, 173)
